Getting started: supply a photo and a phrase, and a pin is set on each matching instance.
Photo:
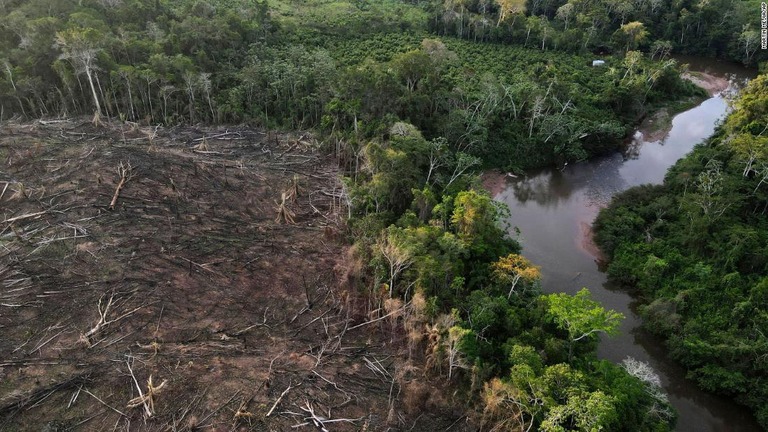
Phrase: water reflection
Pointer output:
(554, 210)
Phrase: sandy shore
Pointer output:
(712, 84)
(494, 181)
(587, 243)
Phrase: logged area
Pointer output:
(186, 300)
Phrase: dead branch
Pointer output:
(202, 422)
(19, 401)
(282, 395)
(105, 404)
(293, 188)
(377, 368)
(26, 216)
(217, 136)
(311, 322)
(102, 319)
(124, 171)
(73, 399)
(202, 266)
(41, 345)
(146, 400)
(103, 322)
(261, 324)
(47, 122)
(269, 372)
(242, 412)
(209, 152)
(321, 421)
(336, 386)
(380, 318)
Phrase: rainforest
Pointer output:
(267, 214)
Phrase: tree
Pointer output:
(412, 66)
(581, 316)
(513, 268)
(634, 33)
(80, 46)
(393, 248)
(510, 8)
(474, 214)
(659, 407)
(504, 405)
(631, 62)
(750, 149)
(750, 114)
(456, 360)
(587, 411)
(438, 148)
(462, 163)
(565, 13)
(661, 48)
(709, 191)
(749, 40)
(623, 8)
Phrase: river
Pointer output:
(554, 210)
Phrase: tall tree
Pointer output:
(394, 249)
(80, 46)
(510, 9)
(581, 316)
(634, 33)
(513, 269)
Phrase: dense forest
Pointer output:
(695, 249)
(188, 62)
(411, 98)
(726, 29)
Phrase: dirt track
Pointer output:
(190, 280)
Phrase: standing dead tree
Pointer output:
(81, 46)
(293, 188)
(283, 212)
(125, 172)
(398, 257)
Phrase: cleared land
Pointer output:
(189, 276)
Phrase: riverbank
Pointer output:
(652, 228)
(554, 211)
(586, 243)
(494, 181)
(657, 125)
(711, 83)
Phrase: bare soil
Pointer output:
(586, 242)
(494, 181)
(191, 281)
(712, 84)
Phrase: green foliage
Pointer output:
(580, 316)
(446, 252)
(719, 28)
(696, 248)
(298, 66)
(414, 97)
(558, 397)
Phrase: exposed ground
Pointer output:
(242, 321)
(712, 84)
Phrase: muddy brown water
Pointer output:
(554, 210)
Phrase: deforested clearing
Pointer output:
(148, 280)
